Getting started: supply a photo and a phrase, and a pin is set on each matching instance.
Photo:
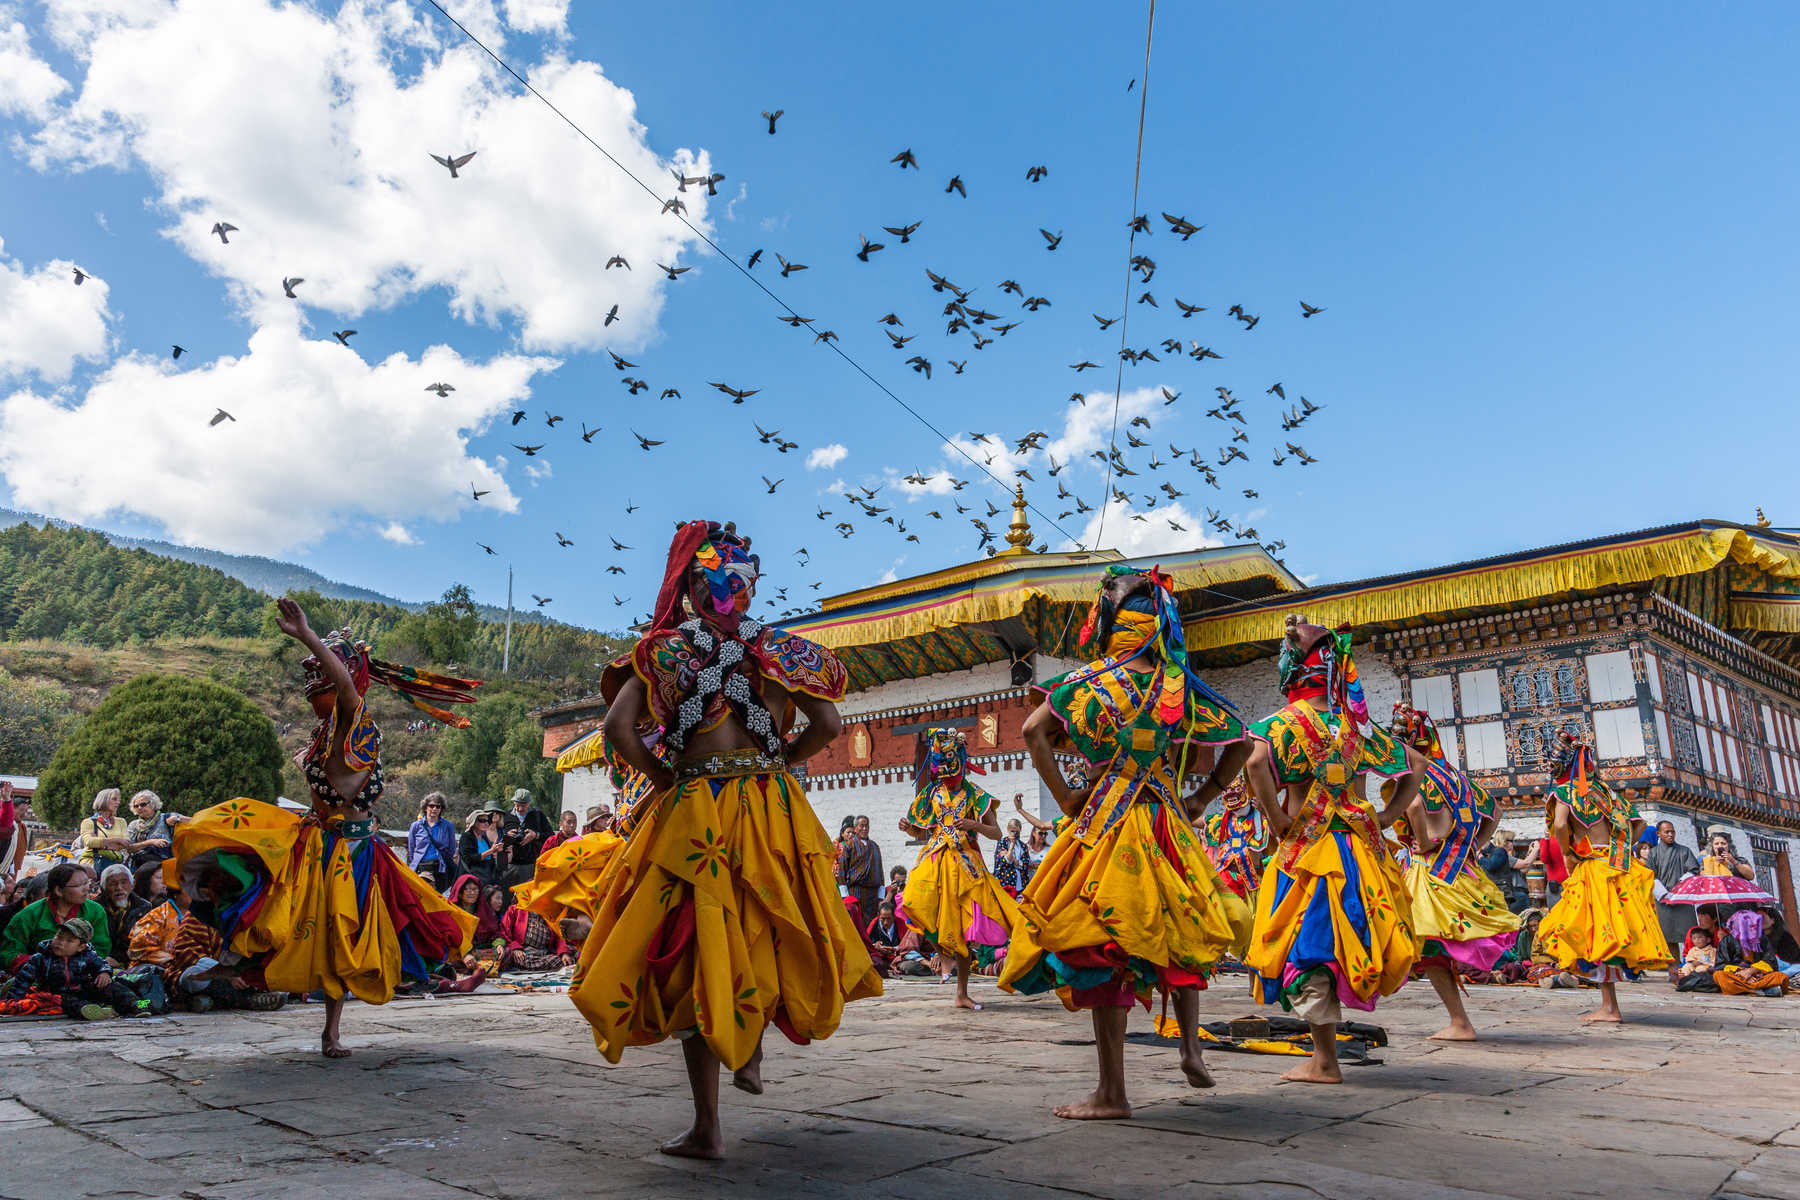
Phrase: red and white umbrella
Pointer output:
(1717, 889)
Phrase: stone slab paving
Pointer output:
(505, 1096)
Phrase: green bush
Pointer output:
(191, 742)
(34, 717)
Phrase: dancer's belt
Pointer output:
(727, 764)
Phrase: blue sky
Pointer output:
(1554, 252)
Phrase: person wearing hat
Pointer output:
(526, 830)
(599, 819)
(66, 966)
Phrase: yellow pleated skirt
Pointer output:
(1464, 919)
(566, 878)
(720, 914)
(1606, 918)
(315, 909)
(954, 906)
(1342, 908)
(1139, 909)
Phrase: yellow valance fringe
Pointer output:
(1682, 553)
(584, 751)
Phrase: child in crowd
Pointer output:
(67, 967)
(1701, 956)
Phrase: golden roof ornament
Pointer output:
(1018, 533)
(1762, 522)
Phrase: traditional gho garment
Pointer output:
(1125, 901)
(1605, 925)
(950, 896)
(1237, 841)
(565, 877)
(1332, 903)
(1459, 918)
(719, 912)
(317, 899)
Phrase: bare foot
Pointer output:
(330, 1047)
(693, 1144)
(748, 1078)
(1311, 1072)
(1455, 1031)
(1094, 1109)
(1601, 1014)
(1196, 1072)
(964, 1002)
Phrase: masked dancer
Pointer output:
(718, 916)
(317, 901)
(1605, 926)
(1459, 917)
(1237, 841)
(1332, 919)
(950, 896)
(1126, 903)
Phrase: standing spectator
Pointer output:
(526, 829)
(1050, 829)
(531, 945)
(1012, 862)
(860, 867)
(65, 896)
(1670, 862)
(599, 819)
(103, 841)
(479, 851)
(431, 843)
(122, 909)
(1520, 858)
(65, 965)
(150, 833)
(13, 839)
(566, 831)
(883, 936)
(1721, 859)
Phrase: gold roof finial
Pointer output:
(1762, 522)
(1018, 533)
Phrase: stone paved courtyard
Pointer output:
(504, 1095)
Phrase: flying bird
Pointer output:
(343, 336)
(477, 493)
(1036, 174)
(644, 442)
(1275, 389)
(442, 389)
(454, 164)
(956, 185)
(612, 315)
(903, 232)
(1308, 310)
(528, 451)
(540, 600)
(1188, 310)
(518, 415)
(617, 260)
(616, 543)
(919, 363)
(905, 159)
(1054, 239)
(1105, 322)
(755, 257)
(674, 204)
(221, 415)
(621, 363)
(771, 118)
(288, 284)
(1182, 225)
(674, 272)
(587, 435)
(868, 247)
(486, 547)
(177, 351)
(222, 228)
(551, 420)
(788, 268)
(737, 396)
(772, 484)
(81, 278)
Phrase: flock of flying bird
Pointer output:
(965, 317)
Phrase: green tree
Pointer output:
(442, 634)
(470, 755)
(34, 719)
(192, 742)
(521, 764)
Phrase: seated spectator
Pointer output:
(102, 840)
(481, 851)
(566, 831)
(66, 966)
(1700, 955)
(883, 937)
(150, 835)
(487, 946)
(599, 819)
(916, 955)
(196, 972)
(1780, 943)
(16, 893)
(122, 908)
(531, 945)
(153, 936)
(65, 896)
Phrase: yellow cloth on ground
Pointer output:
(567, 877)
(311, 927)
(1606, 917)
(770, 941)
(1122, 888)
(1465, 909)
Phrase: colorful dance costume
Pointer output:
(1125, 901)
(1459, 917)
(1332, 917)
(719, 912)
(1605, 925)
(565, 878)
(1237, 842)
(317, 900)
(950, 896)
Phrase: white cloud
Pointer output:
(312, 134)
(321, 440)
(1153, 535)
(538, 469)
(538, 16)
(28, 84)
(47, 323)
(824, 458)
(893, 572)
(743, 193)
(1089, 427)
(399, 534)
